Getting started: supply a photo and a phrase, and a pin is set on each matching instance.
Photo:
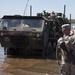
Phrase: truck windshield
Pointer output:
(31, 23)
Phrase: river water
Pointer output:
(27, 65)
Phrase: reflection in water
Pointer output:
(27, 66)
(1, 55)
(3, 65)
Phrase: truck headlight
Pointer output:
(1, 33)
(37, 35)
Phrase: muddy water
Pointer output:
(27, 65)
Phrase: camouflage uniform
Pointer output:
(64, 58)
(64, 55)
(68, 68)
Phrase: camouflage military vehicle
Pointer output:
(31, 32)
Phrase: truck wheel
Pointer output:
(9, 51)
(49, 50)
(54, 46)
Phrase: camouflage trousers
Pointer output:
(68, 69)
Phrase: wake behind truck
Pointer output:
(22, 33)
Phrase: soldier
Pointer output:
(72, 30)
(65, 61)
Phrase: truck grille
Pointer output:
(19, 41)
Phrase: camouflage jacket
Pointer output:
(63, 53)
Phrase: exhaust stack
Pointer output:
(30, 10)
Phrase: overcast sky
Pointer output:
(12, 7)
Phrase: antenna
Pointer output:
(70, 21)
(30, 10)
(25, 7)
(64, 11)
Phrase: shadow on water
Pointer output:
(26, 56)
(33, 55)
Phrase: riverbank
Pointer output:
(72, 20)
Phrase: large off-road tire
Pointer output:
(9, 51)
(54, 46)
(12, 51)
(48, 51)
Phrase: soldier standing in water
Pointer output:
(67, 63)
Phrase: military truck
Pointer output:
(38, 32)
